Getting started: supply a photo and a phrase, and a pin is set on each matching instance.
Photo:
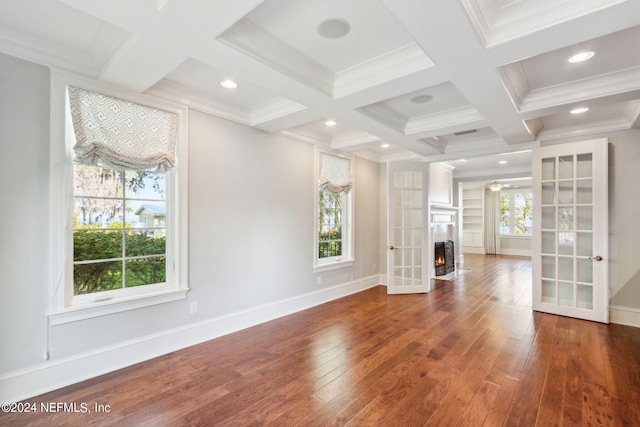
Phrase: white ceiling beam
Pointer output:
(467, 64)
(161, 39)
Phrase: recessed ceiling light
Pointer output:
(503, 162)
(384, 145)
(228, 84)
(334, 28)
(421, 99)
(330, 123)
(582, 56)
(580, 110)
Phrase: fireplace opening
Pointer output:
(444, 258)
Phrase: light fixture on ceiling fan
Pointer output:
(495, 186)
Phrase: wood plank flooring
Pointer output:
(470, 353)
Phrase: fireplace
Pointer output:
(444, 258)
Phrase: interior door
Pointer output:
(570, 230)
(407, 241)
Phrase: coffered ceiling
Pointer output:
(432, 79)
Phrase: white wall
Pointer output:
(24, 191)
(519, 246)
(251, 246)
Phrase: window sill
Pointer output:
(515, 236)
(318, 268)
(103, 308)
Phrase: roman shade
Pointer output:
(335, 174)
(121, 135)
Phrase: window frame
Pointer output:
(64, 306)
(512, 211)
(346, 259)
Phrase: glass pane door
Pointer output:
(567, 231)
(407, 228)
(570, 240)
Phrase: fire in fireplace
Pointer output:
(444, 258)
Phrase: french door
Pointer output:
(407, 248)
(570, 230)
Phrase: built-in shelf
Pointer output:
(473, 219)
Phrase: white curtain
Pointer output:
(120, 134)
(335, 174)
(492, 222)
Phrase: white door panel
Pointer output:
(570, 231)
(407, 238)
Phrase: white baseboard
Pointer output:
(473, 250)
(515, 252)
(624, 316)
(52, 375)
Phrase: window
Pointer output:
(515, 212)
(119, 231)
(334, 219)
(114, 245)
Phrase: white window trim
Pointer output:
(512, 192)
(346, 259)
(64, 307)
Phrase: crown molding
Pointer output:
(45, 54)
(522, 19)
(471, 148)
(306, 137)
(349, 139)
(274, 109)
(251, 40)
(515, 82)
(401, 62)
(590, 128)
(596, 87)
(196, 100)
(385, 115)
(439, 145)
(459, 116)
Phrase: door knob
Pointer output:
(393, 248)
(596, 258)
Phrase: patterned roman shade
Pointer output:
(335, 174)
(120, 134)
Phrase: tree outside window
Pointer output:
(114, 247)
(515, 212)
(329, 224)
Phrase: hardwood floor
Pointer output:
(470, 353)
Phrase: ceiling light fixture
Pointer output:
(229, 84)
(495, 186)
(384, 145)
(334, 28)
(503, 162)
(330, 123)
(581, 57)
(580, 110)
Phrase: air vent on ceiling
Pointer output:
(464, 132)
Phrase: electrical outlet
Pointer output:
(45, 356)
(319, 280)
(373, 267)
(193, 307)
